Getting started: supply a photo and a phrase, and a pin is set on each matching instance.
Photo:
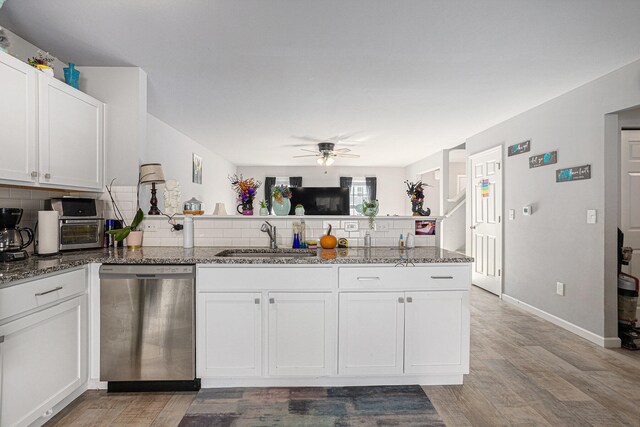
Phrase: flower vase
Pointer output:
(71, 75)
(134, 240)
(264, 211)
(283, 207)
(247, 207)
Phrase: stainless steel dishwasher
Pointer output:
(147, 327)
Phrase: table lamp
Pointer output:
(151, 173)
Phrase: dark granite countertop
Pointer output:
(36, 265)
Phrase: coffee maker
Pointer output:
(12, 242)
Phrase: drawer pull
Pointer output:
(39, 294)
(401, 300)
(256, 301)
(368, 278)
(272, 301)
(442, 277)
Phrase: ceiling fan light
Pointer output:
(329, 161)
(320, 160)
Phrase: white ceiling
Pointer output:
(243, 76)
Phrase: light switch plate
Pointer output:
(560, 288)
(512, 214)
(592, 216)
(350, 225)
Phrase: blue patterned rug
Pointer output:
(312, 406)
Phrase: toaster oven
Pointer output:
(79, 223)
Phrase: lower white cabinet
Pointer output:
(43, 359)
(229, 334)
(371, 333)
(385, 333)
(301, 333)
(436, 338)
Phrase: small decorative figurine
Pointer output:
(416, 193)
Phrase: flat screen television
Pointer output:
(321, 200)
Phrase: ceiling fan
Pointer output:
(327, 153)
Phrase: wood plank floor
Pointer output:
(524, 371)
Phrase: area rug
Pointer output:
(312, 406)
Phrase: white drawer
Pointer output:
(38, 292)
(271, 278)
(441, 277)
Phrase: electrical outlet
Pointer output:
(380, 226)
(150, 227)
(560, 288)
(512, 214)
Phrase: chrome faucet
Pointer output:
(271, 231)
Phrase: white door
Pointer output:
(435, 337)
(70, 126)
(17, 121)
(371, 333)
(44, 359)
(301, 333)
(229, 334)
(630, 200)
(486, 218)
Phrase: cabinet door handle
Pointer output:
(256, 301)
(272, 301)
(401, 300)
(368, 278)
(1, 339)
(39, 294)
(409, 299)
(47, 175)
(442, 277)
(34, 174)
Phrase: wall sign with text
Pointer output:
(543, 159)
(577, 173)
(520, 148)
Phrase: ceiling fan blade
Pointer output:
(342, 150)
(310, 151)
(306, 155)
(349, 156)
(308, 138)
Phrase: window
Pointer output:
(282, 180)
(358, 194)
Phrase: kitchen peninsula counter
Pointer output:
(36, 266)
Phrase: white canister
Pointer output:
(187, 231)
(48, 230)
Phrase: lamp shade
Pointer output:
(151, 173)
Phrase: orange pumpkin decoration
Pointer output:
(328, 241)
(328, 254)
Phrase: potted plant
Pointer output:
(42, 62)
(246, 189)
(128, 231)
(264, 209)
(281, 203)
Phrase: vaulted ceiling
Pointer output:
(243, 77)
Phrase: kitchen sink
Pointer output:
(266, 253)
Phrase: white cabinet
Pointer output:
(51, 134)
(229, 334)
(414, 332)
(371, 333)
(70, 136)
(436, 339)
(17, 121)
(301, 333)
(43, 359)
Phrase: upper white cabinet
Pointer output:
(70, 136)
(52, 135)
(18, 86)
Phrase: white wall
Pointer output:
(455, 169)
(390, 190)
(174, 151)
(124, 90)
(555, 244)
(432, 196)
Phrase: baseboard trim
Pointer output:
(606, 342)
